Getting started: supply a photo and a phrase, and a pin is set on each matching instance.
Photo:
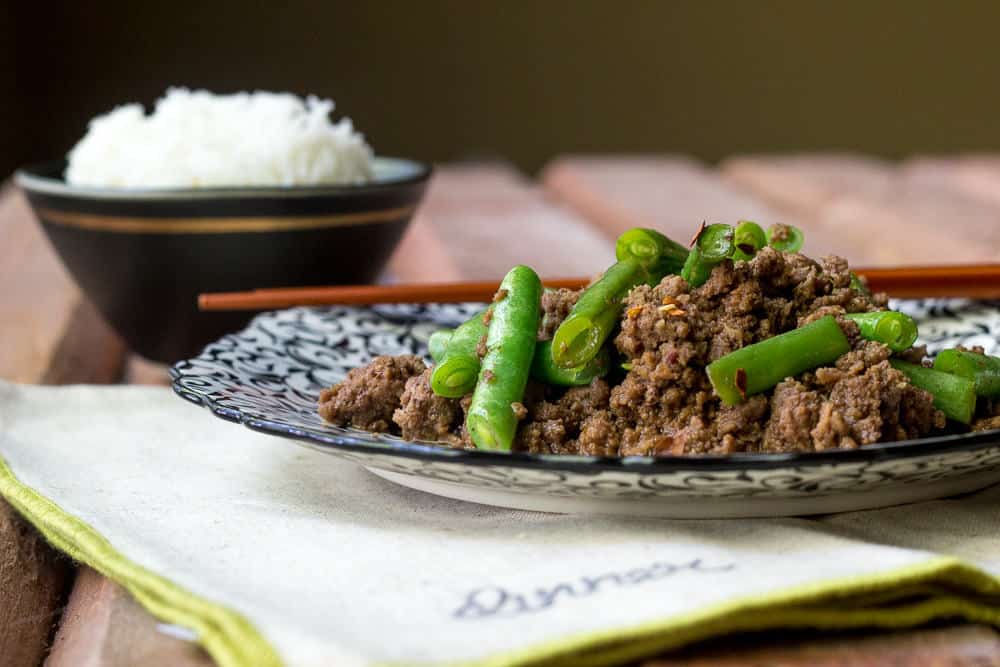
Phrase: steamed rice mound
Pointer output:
(194, 139)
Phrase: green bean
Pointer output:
(544, 369)
(748, 239)
(896, 330)
(713, 244)
(651, 249)
(438, 342)
(595, 315)
(786, 238)
(455, 373)
(953, 395)
(982, 369)
(758, 367)
(510, 347)
(668, 265)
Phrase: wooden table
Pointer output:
(477, 221)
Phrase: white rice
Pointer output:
(195, 139)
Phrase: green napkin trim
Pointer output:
(941, 587)
(226, 635)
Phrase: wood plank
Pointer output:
(670, 194)
(887, 217)
(971, 645)
(103, 626)
(480, 220)
(50, 334)
(139, 370)
(804, 184)
(34, 582)
(422, 257)
(973, 176)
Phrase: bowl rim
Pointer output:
(34, 178)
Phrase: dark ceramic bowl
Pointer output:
(143, 256)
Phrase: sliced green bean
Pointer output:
(455, 373)
(896, 330)
(668, 265)
(786, 238)
(982, 369)
(713, 245)
(510, 347)
(953, 395)
(756, 368)
(544, 369)
(748, 239)
(595, 315)
(438, 342)
(649, 248)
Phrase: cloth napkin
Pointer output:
(272, 553)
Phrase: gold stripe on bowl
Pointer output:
(216, 225)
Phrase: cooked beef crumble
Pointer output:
(665, 403)
(368, 396)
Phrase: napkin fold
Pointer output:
(275, 554)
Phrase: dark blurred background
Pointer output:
(451, 79)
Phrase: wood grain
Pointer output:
(422, 256)
(885, 216)
(804, 184)
(34, 581)
(975, 177)
(103, 626)
(486, 218)
(672, 195)
(139, 370)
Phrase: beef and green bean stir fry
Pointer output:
(734, 343)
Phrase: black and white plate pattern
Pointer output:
(268, 376)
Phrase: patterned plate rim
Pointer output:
(942, 444)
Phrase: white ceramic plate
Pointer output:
(268, 376)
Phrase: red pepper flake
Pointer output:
(741, 382)
(633, 312)
(487, 317)
(677, 312)
(488, 375)
(500, 295)
(667, 300)
(697, 234)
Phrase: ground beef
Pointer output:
(423, 415)
(665, 403)
(576, 422)
(858, 401)
(369, 395)
(556, 305)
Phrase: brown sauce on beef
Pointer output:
(665, 404)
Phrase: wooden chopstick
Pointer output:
(976, 281)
